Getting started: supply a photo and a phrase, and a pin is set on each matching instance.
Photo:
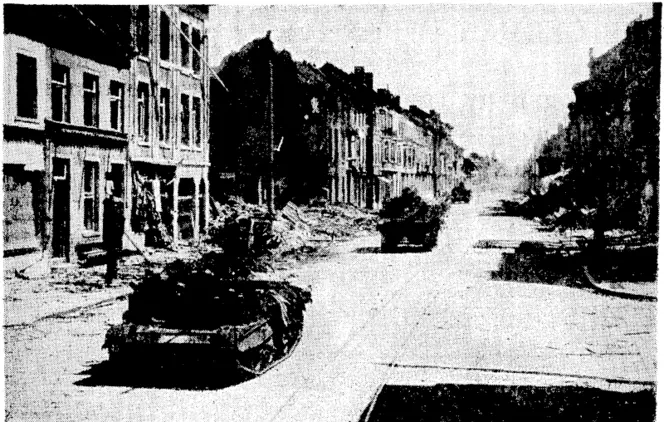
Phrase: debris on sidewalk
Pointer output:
(302, 231)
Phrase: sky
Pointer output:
(501, 75)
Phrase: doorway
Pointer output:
(61, 215)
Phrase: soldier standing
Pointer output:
(113, 231)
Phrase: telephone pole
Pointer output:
(270, 186)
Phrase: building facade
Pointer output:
(408, 149)
(372, 147)
(350, 129)
(169, 121)
(71, 123)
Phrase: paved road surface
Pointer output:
(403, 318)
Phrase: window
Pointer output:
(143, 30)
(116, 94)
(143, 110)
(343, 146)
(184, 118)
(164, 115)
(196, 106)
(336, 144)
(60, 92)
(196, 42)
(164, 37)
(90, 100)
(386, 151)
(26, 86)
(91, 196)
(184, 45)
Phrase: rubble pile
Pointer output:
(339, 221)
(297, 229)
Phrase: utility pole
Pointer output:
(270, 186)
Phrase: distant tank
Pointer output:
(460, 194)
(411, 220)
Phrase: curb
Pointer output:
(70, 311)
(592, 283)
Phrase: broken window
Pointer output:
(164, 115)
(164, 37)
(91, 195)
(90, 100)
(197, 121)
(116, 95)
(26, 86)
(143, 110)
(184, 119)
(184, 45)
(60, 92)
(143, 30)
(196, 42)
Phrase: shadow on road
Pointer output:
(534, 262)
(539, 266)
(451, 402)
(398, 250)
(189, 377)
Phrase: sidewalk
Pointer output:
(70, 287)
(28, 300)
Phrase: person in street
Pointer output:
(113, 231)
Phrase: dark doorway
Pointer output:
(118, 179)
(61, 187)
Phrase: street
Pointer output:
(410, 319)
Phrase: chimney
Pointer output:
(368, 80)
(657, 13)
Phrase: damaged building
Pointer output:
(112, 114)
(169, 122)
(355, 145)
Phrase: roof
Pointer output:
(309, 74)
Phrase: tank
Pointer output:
(248, 325)
(409, 219)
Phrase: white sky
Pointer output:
(502, 75)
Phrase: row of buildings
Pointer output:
(136, 111)
(607, 156)
(100, 99)
(353, 144)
